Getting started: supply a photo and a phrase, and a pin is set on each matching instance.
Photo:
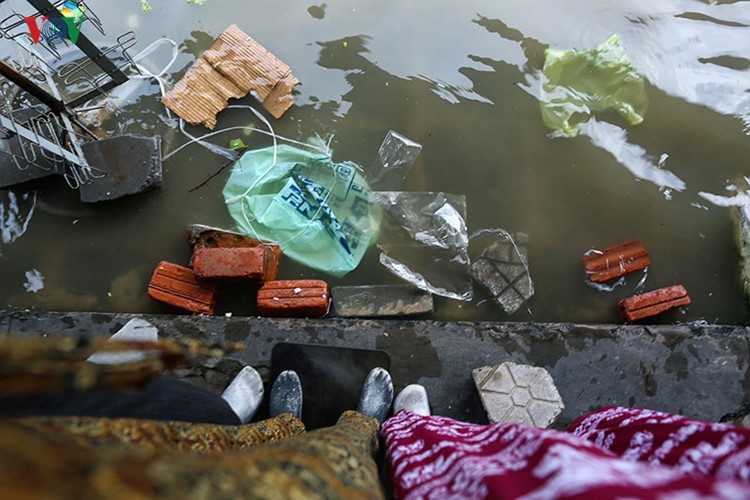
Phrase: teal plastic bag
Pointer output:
(317, 211)
(577, 84)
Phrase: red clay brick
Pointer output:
(177, 286)
(230, 263)
(652, 303)
(301, 298)
(616, 261)
(200, 236)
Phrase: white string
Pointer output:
(159, 77)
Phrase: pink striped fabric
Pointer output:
(437, 457)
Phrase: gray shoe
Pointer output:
(244, 393)
(286, 395)
(377, 394)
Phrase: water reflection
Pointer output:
(614, 140)
(15, 214)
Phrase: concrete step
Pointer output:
(697, 370)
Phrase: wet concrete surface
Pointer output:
(696, 370)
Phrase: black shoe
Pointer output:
(286, 395)
(377, 395)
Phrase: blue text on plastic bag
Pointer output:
(316, 210)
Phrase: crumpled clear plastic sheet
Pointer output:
(423, 240)
(316, 210)
(503, 267)
(395, 158)
(577, 84)
(15, 214)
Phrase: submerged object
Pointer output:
(504, 271)
(577, 84)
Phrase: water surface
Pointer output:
(460, 78)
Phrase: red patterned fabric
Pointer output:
(437, 457)
(691, 446)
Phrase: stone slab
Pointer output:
(380, 301)
(132, 165)
(519, 394)
(673, 368)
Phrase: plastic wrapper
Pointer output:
(424, 241)
(577, 84)
(395, 158)
(316, 210)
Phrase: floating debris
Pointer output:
(34, 281)
(234, 66)
(15, 215)
(424, 241)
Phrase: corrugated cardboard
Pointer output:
(234, 66)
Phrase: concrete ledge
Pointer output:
(696, 370)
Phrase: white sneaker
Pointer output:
(244, 393)
(413, 398)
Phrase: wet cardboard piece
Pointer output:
(331, 377)
(234, 66)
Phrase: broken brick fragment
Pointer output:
(178, 286)
(230, 263)
(297, 298)
(652, 303)
(616, 261)
(200, 236)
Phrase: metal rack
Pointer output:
(38, 128)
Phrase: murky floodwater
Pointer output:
(461, 79)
